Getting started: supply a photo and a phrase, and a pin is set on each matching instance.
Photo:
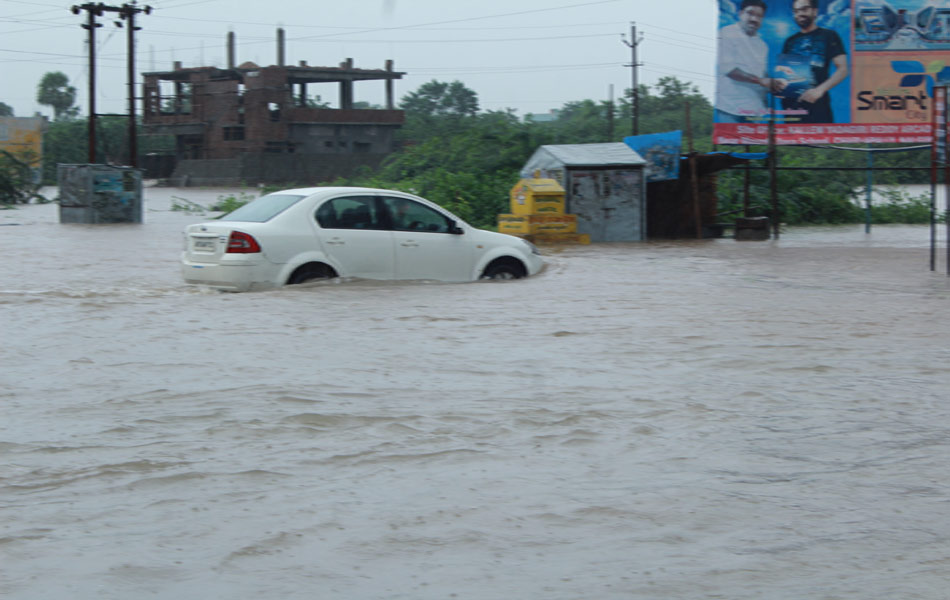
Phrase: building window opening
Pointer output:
(175, 97)
(233, 133)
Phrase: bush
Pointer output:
(230, 203)
(17, 180)
(901, 207)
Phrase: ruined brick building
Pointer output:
(250, 125)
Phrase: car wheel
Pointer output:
(311, 273)
(504, 269)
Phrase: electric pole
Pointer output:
(635, 97)
(610, 115)
(94, 10)
(126, 12)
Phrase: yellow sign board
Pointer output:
(23, 135)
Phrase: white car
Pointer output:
(299, 235)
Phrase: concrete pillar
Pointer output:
(389, 88)
(346, 94)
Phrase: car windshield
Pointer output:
(263, 209)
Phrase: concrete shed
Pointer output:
(604, 184)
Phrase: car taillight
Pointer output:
(242, 243)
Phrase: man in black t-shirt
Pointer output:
(819, 49)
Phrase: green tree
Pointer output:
(315, 101)
(363, 105)
(437, 98)
(65, 142)
(437, 108)
(663, 108)
(5, 110)
(18, 183)
(470, 171)
(54, 90)
(580, 122)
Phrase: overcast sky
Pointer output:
(527, 55)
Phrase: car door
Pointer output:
(425, 247)
(355, 235)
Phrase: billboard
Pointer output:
(829, 71)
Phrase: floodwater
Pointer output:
(675, 420)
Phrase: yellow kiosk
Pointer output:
(537, 214)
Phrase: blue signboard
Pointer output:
(662, 153)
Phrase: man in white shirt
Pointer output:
(743, 67)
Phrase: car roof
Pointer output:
(329, 190)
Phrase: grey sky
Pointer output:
(529, 55)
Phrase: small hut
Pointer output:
(677, 208)
(605, 187)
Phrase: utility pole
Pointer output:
(126, 12)
(635, 97)
(610, 115)
(94, 10)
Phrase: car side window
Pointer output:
(409, 215)
(349, 212)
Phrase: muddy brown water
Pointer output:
(663, 420)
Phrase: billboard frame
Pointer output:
(882, 98)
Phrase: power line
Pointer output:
(680, 31)
(513, 14)
(31, 3)
(689, 45)
(423, 27)
(668, 68)
(461, 40)
(508, 70)
(269, 40)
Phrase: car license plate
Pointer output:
(205, 245)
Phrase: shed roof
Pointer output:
(594, 155)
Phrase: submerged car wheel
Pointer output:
(311, 272)
(504, 269)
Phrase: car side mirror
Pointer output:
(455, 229)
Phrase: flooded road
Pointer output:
(654, 421)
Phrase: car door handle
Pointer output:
(409, 243)
(336, 241)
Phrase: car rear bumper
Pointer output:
(240, 277)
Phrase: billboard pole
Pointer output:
(938, 156)
(746, 185)
(945, 133)
(773, 160)
(694, 176)
(867, 194)
(942, 137)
